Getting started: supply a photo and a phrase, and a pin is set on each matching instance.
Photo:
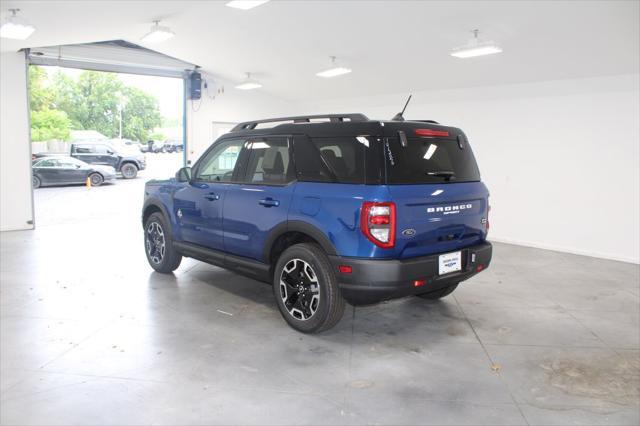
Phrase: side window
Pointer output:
(67, 164)
(85, 149)
(269, 161)
(47, 163)
(345, 157)
(218, 164)
(101, 149)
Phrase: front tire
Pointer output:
(438, 294)
(158, 245)
(129, 171)
(306, 289)
(96, 179)
(36, 182)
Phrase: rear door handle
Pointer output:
(212, 196)
(269, 202)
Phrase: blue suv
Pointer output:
(328, 209)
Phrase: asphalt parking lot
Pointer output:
(122, 199)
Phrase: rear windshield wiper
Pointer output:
(447, 174)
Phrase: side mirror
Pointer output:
(184, 174)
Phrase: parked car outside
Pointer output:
(126, 161)
(59, 170)
(342, 210)
(173, 145)
(152, 146)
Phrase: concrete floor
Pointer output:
(90, 335)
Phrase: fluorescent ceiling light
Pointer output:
(15, 27)
(246, 4)
(158, 33)
(334, 71)
(476, 47)
(249, 84)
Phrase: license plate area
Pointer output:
(449, 262)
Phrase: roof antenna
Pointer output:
(398, 116)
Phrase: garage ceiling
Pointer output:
(284, 43)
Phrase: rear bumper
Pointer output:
(372, 280)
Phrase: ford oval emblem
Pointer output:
(409, 232)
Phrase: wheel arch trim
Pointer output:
(297, 226)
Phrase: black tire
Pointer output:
(438, 294)
(329, 304)
(129, 171)
(164, 260)
(36, 182)
(96, 179)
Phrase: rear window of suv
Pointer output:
(429, 160)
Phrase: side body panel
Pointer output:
(334, 209)
(251, 212)
(198, 209)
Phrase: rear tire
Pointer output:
(36, 182)
(129, 171)
(438, 294)
(306, 289)
(158, 245)
(96, 179)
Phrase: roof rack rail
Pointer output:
(426, 121)
(249, 125)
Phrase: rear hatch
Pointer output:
(433, 178)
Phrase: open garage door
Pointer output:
(114, 95)
(111, 56)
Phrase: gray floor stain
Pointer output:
(609, 379)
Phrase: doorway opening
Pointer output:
(105, 119)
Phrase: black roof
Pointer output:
(333, 125)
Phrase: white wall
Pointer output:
(231, 106)
(16, 202)
(560, 158)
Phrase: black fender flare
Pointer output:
(297, 226)
(153, 202)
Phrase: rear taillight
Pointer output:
(378, 223)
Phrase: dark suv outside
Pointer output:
(128, 164)
(328, 209)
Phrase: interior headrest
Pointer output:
(272, 162)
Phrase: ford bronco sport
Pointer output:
(328, 209)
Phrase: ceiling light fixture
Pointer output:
(158, 33)
(334, 71)
(249, 84)
(476, 47)
(245, 4)
(15, 27)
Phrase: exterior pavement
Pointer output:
(91, 335)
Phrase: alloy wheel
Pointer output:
(155, 242)
(299, 289)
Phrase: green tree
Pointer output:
(66, 97)
(48, 124)
(40, 96)
(95, 105)
(140, 115)
(95, 101)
